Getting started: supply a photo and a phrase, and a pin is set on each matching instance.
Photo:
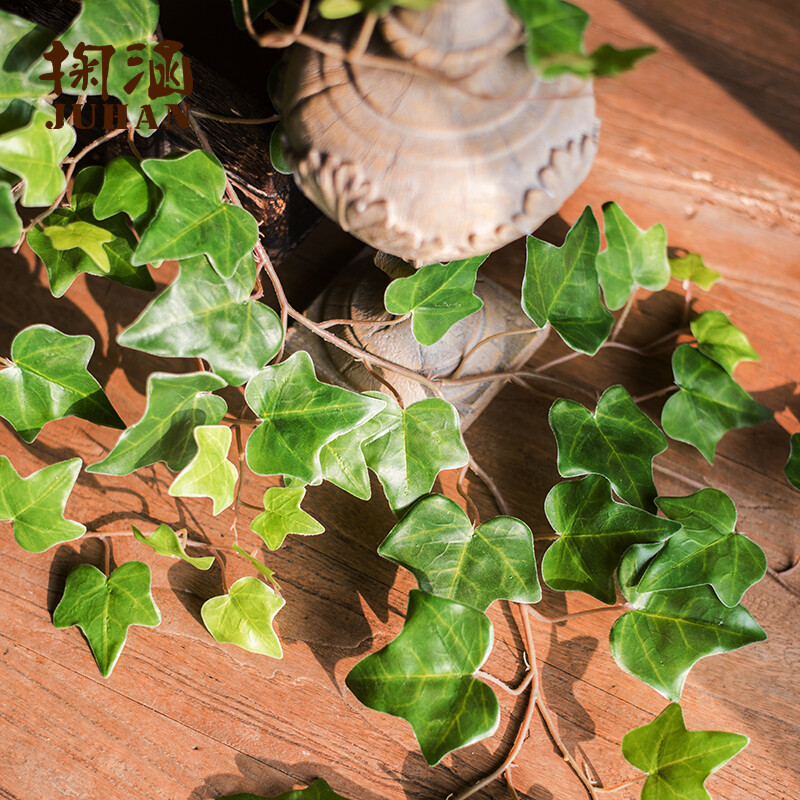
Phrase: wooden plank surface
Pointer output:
(687, 140)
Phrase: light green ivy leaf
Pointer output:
(417, 443)
(618, 442)
(34, 153)
(35, 505)
(244, 617)
(319, 790)
(706, 549)
(300, 415)
(561, 286)
(49, 380)
(176, 405)
(667, 632)
(203, 315)
(164, 541)
(720, 340)
(84, 236)
(191, 218)
(209, 473)
(426, 675)
(437, 543)
(678, 762)
(126, 189)
(283, 515)
(104, 608)
(594, 533)
(692, 268)
(258, 565)
(709, 403)
(634, 257)
(437, 296)
(10, 223)
(337, 9)
(792, 468)
(112, 259)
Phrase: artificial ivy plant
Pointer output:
(676, 567)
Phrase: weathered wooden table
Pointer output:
(698, 137)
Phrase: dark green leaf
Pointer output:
(10, 223)
(176, 405)
(277, 156)
(632, 567)
(691, 268)
(555, 29)
(678, 761)
(792, 468)
(319, 790)
(437, 296)
(104, 608)
(618, 442)
(634, 257)
(206, 316)
(594, 532)
(244, 617)
(709, 403)
(474, 566)
(607, 62)
(300, 415)
(283, 515)
(165, 542)
(418, 442)
(36, 504)
(49, 381)
(127, 189)
(561, 286)
(706, 549)
(21, 45)
(720, 340)
(209, 473)
(668, 632)
(192, 219)
(34, 153)
(63, 266)
(425, 675)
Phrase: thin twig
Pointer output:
(678, 476)
(364, 35)
(510, 783)
(473, 509)
(107, 557)
(631, 782)
(385, 323)
(502, 506)
(132, 145)
(623, 316)
(666, 390)
(239, 484)
(486, 340)
(237, 120)
(554, 620)
(378, 377)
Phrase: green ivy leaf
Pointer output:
(49, 381)
(34, 153)
(10, 223)
(634, 257)
(418, 442)
(607, 61)
(176, 405)
(126, 189)
(474, 566)
(706, 549)
(84, 236)
(692, 268)
(192, 219)
(678, 761)
(63, 266)
(709, 403)
(164, 541)
(720, 340)
(203, 315)
(277, 155)
(561, 286)
(244, 617)
(260, 566)
(120, 23)
(300, 415)
(338, 9)
(554, 28)
(209, 473)
(792, 468)
(283, 515)
(437, 296)
(618, 442)
(104, 608)
(319, 790)
(425, 675)
(35, 505)
(594, 532)
(21, 45)
(668, 632)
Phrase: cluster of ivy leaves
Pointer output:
(682, 574)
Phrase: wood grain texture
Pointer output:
(687, 140)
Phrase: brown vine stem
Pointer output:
(510, 783)
(631, 782)
(666, 390)
(624, 316)
(386, 383)
(495, 376)
(678, 476)
(497, 495)
(132, 145)
(352, 323)
(486, 340)
(554, 620)
(107, 557)
(236, 120)
(364, 35)
(475, 518)
(239, 483)
(666, 337)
